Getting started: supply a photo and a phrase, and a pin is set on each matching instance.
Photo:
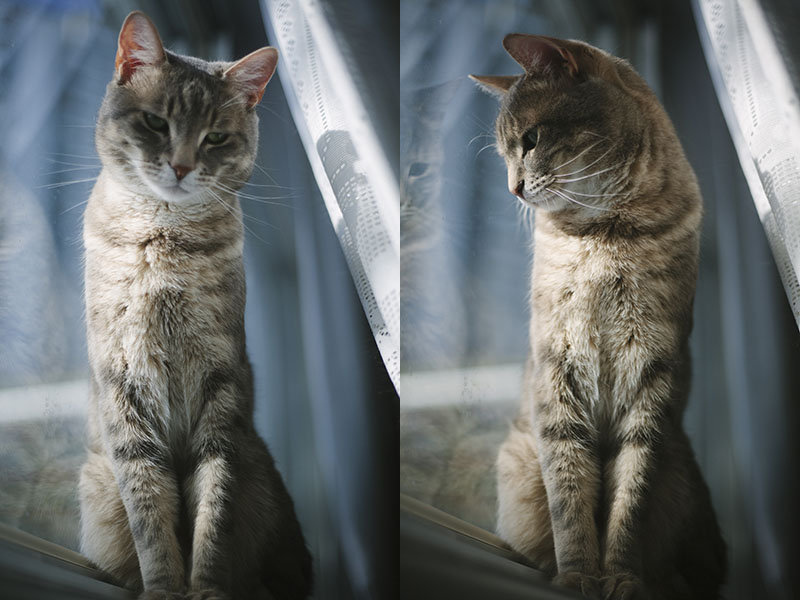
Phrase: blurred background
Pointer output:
(324, 402)
(466, 258)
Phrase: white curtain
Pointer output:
(349, 162)
(760, 104)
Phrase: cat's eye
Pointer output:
(156, 123)
(216, 138)
(529, 140)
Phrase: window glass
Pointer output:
(465, 273)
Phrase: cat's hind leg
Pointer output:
(523, 516)
(106, 537)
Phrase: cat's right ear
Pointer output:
(495, 85)
(252, 73)
(139, 45)
(539, 54)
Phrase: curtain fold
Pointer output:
(753, 81)
(347, 157)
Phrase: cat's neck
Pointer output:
(119, 201)
(129, 216)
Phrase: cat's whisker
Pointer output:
(234, 213)
(492, 145)
(263, 199)
(263, 185)
(265, 172)
(91, 157)
(274, 112)
(596, 134)
(70, 170)
(74, 206)
(595, 174)
(595, 195)
(574, 158)
(50, 186)
(563, 194)
(72, 164)
(594, 162)
(477, 137)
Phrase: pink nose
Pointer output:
(181, 171)
(518, 191)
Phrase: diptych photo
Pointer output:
(399, 299)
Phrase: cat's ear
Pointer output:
(139, 45)
(538, 54)
(496, 85)
(252, 73)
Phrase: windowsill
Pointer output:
(31, 567)
(442, 556)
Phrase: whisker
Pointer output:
(480, 135)
(230, 209)
(595, 195)
(71, 164)
(265, 172)
(492, 145)
(94, 156)
(590, 175)
(265, 199)
(562, 194)
(596, 134)
(70, 170)
(264, 185)
(63, 183)
(594, 162)
(274, 112)
(71, 207)
(574, 158)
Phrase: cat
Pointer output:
(179, 496)
(597, 482)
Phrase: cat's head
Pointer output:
(177, 128)
(571, 126)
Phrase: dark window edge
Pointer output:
(36, 569)
(442, 556)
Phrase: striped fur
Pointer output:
(179, 495)
(597, 482)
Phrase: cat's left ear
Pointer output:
(139, 45)
(252, 73)
(538, 54)
(496, 85)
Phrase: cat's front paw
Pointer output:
(587, 585)
(623, 586)
(207, 594)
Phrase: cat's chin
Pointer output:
(173, 193)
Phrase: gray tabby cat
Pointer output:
(179, 495)
(597, 482)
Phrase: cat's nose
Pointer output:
(518, 190)
(180, 171)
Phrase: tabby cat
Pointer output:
(597, 482)
(180, 498)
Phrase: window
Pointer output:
(308, 337)
(466, 270)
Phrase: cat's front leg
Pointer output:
(567, 444)
(210, 489)
(147, 485)
(629, 476)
